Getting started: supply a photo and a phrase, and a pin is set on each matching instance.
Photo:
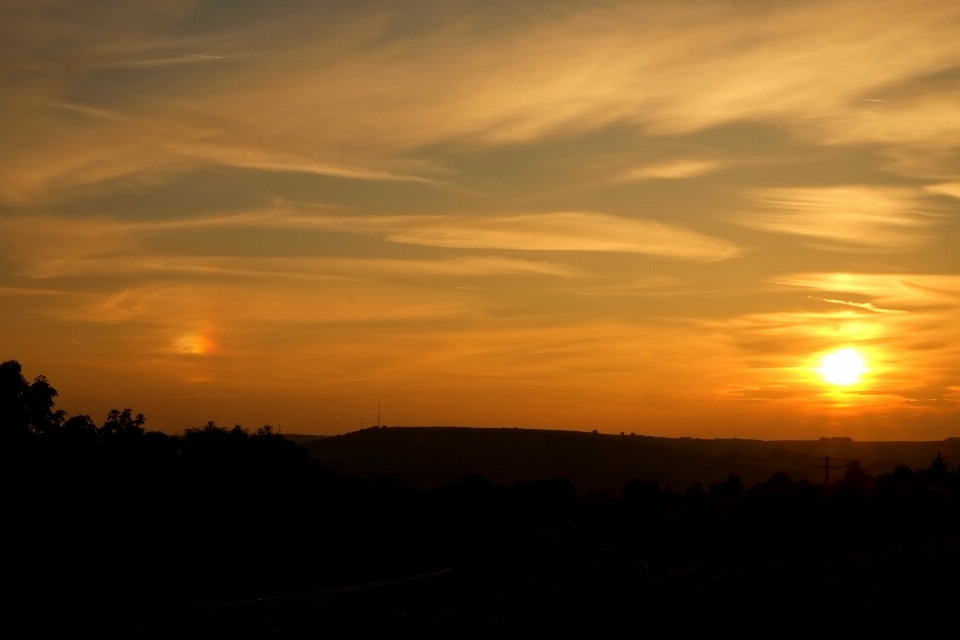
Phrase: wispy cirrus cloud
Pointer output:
(893, 289)
(267, 303)
(109, 247)
(884, 218)
(183, 58)
(945, 188)
(367, 93)
(566, 231)
(860, 305)
(92, 112)
(322, 269)
(279, 161)
(148, 149)
(674, 170)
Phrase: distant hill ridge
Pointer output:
(432, 456)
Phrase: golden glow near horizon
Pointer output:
(660, 217)
(843, 367)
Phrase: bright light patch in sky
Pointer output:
(193, 344)
(843, 367)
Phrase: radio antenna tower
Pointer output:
(378, 414)
(826, 468)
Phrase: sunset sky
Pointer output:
(659, 217)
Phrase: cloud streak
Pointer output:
(912, 291)
(874, 217)
(860, 305)
(562, 232)
(567, 231)
(677, 169)
(951, 189)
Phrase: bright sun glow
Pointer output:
(843, 367)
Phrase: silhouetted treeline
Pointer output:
(122, 528)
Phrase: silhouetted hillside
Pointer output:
(302, 439)
(427, 457)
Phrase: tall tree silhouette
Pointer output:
(25, 409)
(937, 471)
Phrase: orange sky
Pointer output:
(655, 217)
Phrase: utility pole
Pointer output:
(826, 468)
(378, 414)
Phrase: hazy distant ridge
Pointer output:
(432, 456)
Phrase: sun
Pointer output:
(843, 367)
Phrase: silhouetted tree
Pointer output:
(40, 404)
(854, 474)
(730, 487)
(695, 495)
(780, 480)
(13, 391)
(640, 493)
(80, 426)
(122, 424)
(901, 482)
(937, 471)
(25, 409)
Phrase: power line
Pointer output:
(826, 468)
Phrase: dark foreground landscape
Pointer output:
(114, 529)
